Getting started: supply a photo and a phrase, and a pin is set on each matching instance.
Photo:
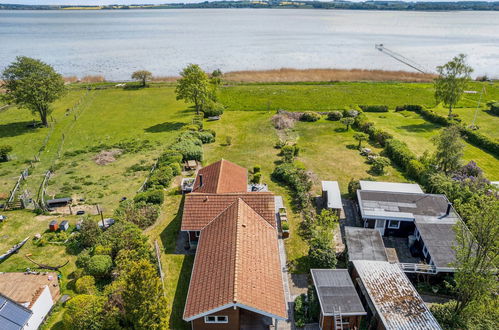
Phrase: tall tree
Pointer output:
(477, 251)
(451, 81)
(84, 312)
(143, 76)
(143, 298)
(449, 149)
(32, 84)
(193, 86)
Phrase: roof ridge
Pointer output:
(236, 249)
(220, 171)
(219, 214)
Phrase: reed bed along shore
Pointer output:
(295, 75)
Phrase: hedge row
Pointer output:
(375, 134)
(374, 108)
(477, 139)
(494, 108)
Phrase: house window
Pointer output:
(418, 236)
(394, 224)
(216, 319)
(425, 251)
(196, 233)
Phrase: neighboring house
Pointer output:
(332, 197)
(392, 299)
(341, 307)
(390, 187)
(428, 219)
(29, 298)
(236, 280)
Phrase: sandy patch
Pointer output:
(107, 156)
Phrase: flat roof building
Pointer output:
(391, 186)
(365, 244)
(331, 195)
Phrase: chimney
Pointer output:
(449, 205)
(200, 180)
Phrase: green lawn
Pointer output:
(417, 133)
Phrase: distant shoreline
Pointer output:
(277, 4)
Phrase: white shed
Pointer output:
(331, 195)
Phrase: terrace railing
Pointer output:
(418, 268)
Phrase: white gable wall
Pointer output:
(40, 309)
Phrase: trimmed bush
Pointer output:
(176, 168)
(350, 113)
(399, 152)
(160, 178)
(480, 140)
(150, 197)
(409, 107)
(374, 108)
(206, 137)
(415, 169)
(285, 226)
(335, 115)
(99, 265)
(211, 131)
(189, 150)
(257, 169)
(169, 157)
(310, 116)
(257, 178)
(213, 109)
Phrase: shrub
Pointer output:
(335, 116)
(4, 152)
(378, 164)
(297, 179)
(350, 113)
(257, 177)
(374, 108)
(150, 197)
(85, 285)
(211, 131)
(191, 136)
(310, 116)
(283, 121)
(89, 233)
(169, 157)
(191, 127)
(399, 152)
(189, 150)
(415, 169)
(228, 140)
(347, 121)
(409, 107)
(99, 265)
(101, 249)
(300, 311)
(141, 214)
(285, 226)
(213, 109)
(289, 152)
(176, 169)
(494, 108)
(160, 178)
(257, 169)
(84, 312)
(206, 137)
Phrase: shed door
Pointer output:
(380, 226)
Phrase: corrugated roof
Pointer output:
(222, 177)
(200, 209)
(390, 186)
(365, 244)
(336, 292)
(397, 302)
(237, 264)
(333, 194)
(13, 316)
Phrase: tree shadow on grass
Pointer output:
(424, 127)
(15, 129)
(179, 299)
(165, 127)
(299, 265)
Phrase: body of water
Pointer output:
(116, 43)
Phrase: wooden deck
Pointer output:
(23, 288)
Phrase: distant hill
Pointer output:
(367, 5)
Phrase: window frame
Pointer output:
(391, 227)
(217, 319)
(197, 233)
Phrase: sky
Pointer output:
(126, 2)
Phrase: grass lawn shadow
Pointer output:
(176, 321)
(424, 127)
(165, 127)
(169, 234)
(15, 129)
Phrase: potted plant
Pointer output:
(285, 229)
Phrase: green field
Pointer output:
(99, 119)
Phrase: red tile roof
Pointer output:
(237, 264)
(222, 177)
(200, 209)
